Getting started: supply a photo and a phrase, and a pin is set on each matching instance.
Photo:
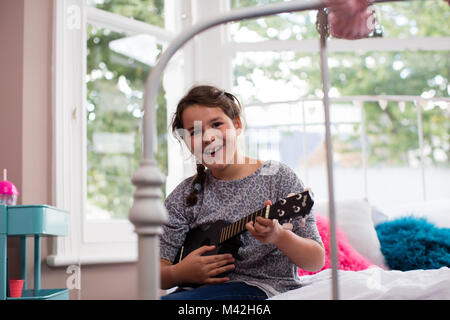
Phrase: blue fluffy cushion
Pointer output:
(413, 243)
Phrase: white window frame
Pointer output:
(88, 242)
(115, 241)
(312, 46)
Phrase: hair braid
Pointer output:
(197, 184)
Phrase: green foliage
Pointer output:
(115, 86)
(426, 18)
(398, 19)
(392, 133)
(150, 11)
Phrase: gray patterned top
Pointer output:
(262, 265)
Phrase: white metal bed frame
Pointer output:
(148, 213)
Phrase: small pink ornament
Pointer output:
(8, 191)
(350, 19)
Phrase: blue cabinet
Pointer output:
(35, 221)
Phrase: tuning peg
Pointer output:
(304, 201)
(291, 195)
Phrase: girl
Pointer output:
(229, 186)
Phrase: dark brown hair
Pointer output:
(211, 97)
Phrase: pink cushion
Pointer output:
(349, 258)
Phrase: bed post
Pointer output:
(323, 31)
(148, 214)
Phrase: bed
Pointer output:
(375, 284)
(352, 225)
(363, 236)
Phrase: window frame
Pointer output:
(115, 241)
(88, 241)
(312, 46)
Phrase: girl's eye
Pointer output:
(196, 132)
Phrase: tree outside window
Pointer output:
(117, 68)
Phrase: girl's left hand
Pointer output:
(265, 230)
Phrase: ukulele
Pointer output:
(223, 235)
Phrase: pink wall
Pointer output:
(36, 120)
(26, 32)
(11, 76)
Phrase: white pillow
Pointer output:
(354, 219)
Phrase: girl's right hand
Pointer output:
(196, 268)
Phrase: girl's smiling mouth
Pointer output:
(212, 151)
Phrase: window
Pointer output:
(277, 75)
(272, 64)
(117, 68)
(104, 51)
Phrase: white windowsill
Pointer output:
(60, 261)
(96, 254)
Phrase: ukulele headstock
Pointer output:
(291, 206)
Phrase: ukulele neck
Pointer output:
(294, 205)
(238, 227)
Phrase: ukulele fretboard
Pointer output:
(238, 227)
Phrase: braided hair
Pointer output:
(197, 184)
(211, 97)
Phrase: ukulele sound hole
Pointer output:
(206, 242)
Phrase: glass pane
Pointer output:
(150, 11)
(390, 73)
(436, 126)
(117, 68)
(285, 26)
(403, 19)
(392, 137)
(394, 170)
(408, 19)
(392, 128)
(294, 134)
(275, 76)
(348, 168)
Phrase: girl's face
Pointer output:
(211, 135)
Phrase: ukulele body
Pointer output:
(224, 235)
(208, 236)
